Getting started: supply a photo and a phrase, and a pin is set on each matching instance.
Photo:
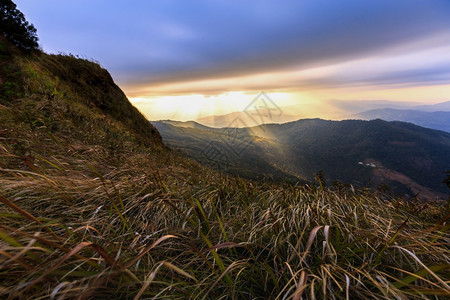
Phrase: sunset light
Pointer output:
(186, 66)
(191, 107)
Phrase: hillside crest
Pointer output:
(58, 88)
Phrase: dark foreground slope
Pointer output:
(93, 207)
(409, 158)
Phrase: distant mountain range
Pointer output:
(409, 158)
(245, 119)
(352, 107)
(443, 106)
(435, 116)
(439, 120)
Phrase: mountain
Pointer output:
(244, 119)
(225, 150)
(71, 98)
(442, 106)
(187, 124)
(350, 107)
(347, 109)
(338, 110)
(410, 158)
(439, 120)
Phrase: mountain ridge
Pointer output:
(308, 146)
(439, 120)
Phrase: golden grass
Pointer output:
(131, 233)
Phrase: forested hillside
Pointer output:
(407, 158)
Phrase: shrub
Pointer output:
(16, 28)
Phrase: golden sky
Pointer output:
(189, 59)
(414, 72)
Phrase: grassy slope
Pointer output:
(91, 209)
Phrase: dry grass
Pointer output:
(75, 231)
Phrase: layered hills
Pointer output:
(410, 159)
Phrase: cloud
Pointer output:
(392, 69)
(151, 44)
(234, 40)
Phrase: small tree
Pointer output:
(15, 28)
(447, 179)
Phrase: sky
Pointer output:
(186, 60)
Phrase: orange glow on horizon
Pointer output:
(303, 104)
